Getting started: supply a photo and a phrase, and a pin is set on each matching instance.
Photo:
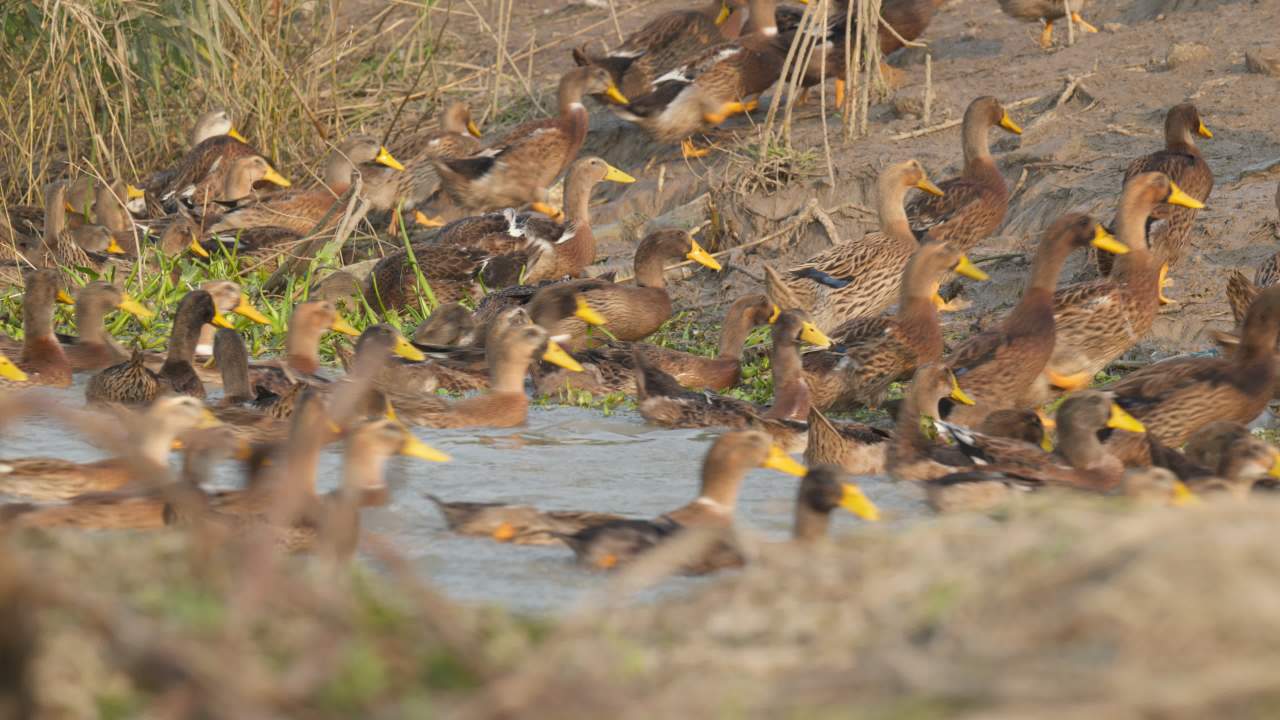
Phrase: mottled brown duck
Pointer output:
(1047, 11)
(214, 145)
(1241, 292)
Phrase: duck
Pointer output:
(1097, 321)
(1237, 462)
(721, 81)
(94, 348)
(243, 402)
(229, 185)
(450, 325)
(516, 524)
(457, 136)
(64, 246)
(42, 357)
(869, 353)
(519, 168)
(301, 210)
(132, 383)
(455, 370)
(732, 455)
(914, 455)
(997, 367)
(1169, 226)
(664, 402)
(610, 368)
(214, 144)
(860, 278)
(505, 403)
(971, 206)
(152, 432)
(1047, 11)
(1004, 466)
(1178, 396)
(301, 362)
(630, 312)
(229, 297)
(663, 43)
(536, 247)
(1241, 292)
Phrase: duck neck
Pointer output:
(761, 20)
(1080, 446)
(55, 220)
(1037, 298)
(90, 322)
(720, 485)
(37, 317)
(302, 349)
(810, 524)
(651, 271)
(977, 149)
(1258, 336)
(233, 362)
(893, 212)
(733, 335)
(507, 372)
(363, 470)
(185, 335)
(569, 95)
(791, 392)
(1131, 227)
(908, 437)
(1180, 137)
(581, 248)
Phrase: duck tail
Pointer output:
(1240, 295)
(652, 381)
(779, 292)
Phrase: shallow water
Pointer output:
(565, 458)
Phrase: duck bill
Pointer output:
(208, 420)
(777, 311)
(613, 174)
(384, 158)
(1122, 420)
(276, 178)
(811, 334)
(1203, 131)
(244, 309)
(926, 185)
(702, 257)
(855, 501)
(197, 248)
(1178, 197)
(135, 308)
(1046, 443)
(966, 268)
(113, 248)
(406, 350)
(64, 297)
(221, 321)
(236, 134)
(12, 372)
(342, 326)
(779, 460)
(473, 128)
(586, 314)
(957, 394)
(133, 192)
(1182, 495)
(415, 448)
(616, 95)
(1274, 470)
(1107, 242)
(723, 15)
(1007, 123)
(556, 355)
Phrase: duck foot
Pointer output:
(1069, 383)
(1164, 283)
(1046, 35)
(689, 150)
(421, 218)
(1085, 26)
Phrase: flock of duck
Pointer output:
(844, 326)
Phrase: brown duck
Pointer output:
(996, 368)
(914, 455)
(42, 357)
(215, 144)
(1241, 292)
(94, 348)
(1047, 11)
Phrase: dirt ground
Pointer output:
(1068, 159)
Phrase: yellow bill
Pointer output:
(1204, 131)
(556, 355)
(855, 501)
(1107, 242)
(135, 308)
(616, 95)
(422, 219)
(473, 128)
(1122, 420)
(1007, 123)
(723, 14)
(777, 312)
(1046, 443)
(1274, 470)
(1182, 495)
(244, 309)
(197, 248)
(700, 256)
(344, 327)
(113, 247)
(966, 268)
(413, 447)
(1178, 197)
(276, 178)
(779, 460)
(957, 394)
(132, 192)
(926, 185)
(9, 371)
(406, 350)
(384, 158)
(811, 334)
(64, 297)
(221, 320)
(613, 174)
(586, 314)
(235, 134)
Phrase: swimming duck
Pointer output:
(860, 278)
(871, 352)
(132, 383)
(517, 524)
(300, 210)
(610, 368)
(214, 145)
(228, 297)
(713, 85)
(301, 362)
(971, 206)
(996, 368)
(730, 458)
(1047, 11)
(1005, 466)
(630, 312)
(42, 357)
(1098, 321)
(663, 401)
(1169, 226)
(1176, 397)
(518, 169)
(505, 404)
(94, 348)
(153, 432)
(662, 44)
(456, 370)
(913, 455)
